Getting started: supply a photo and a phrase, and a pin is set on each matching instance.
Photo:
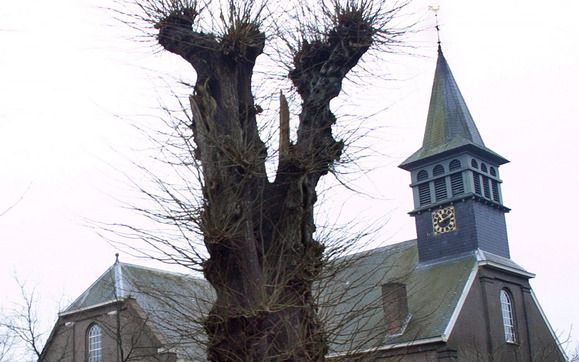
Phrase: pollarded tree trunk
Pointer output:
(259, 234)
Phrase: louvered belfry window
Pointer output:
(456, 181)
(421, 175)
(438, 170)
(452, 182)
(477, 187)
(495, 186)
(454, 165)
(424, 194)
(456, 184)
(423, 189)
(486, 187)
(440, 191)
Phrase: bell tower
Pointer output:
(455, 181)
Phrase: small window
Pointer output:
(483, 167)
(454, 165)
(424, 194)
(421, 175)
(493, 172)
(486, 187)
(456, 184)
(508, 316)
(473, 163)
(395, 306)
(477, 187)
(94, 344)
(440, 189)
(495, 186)
(438, 170)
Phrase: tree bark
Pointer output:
(259, 234)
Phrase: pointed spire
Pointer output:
(448, 116)
(449, 124)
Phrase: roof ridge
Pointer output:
(84, 294)
(446, 259)
(161, 271)
(399, 245)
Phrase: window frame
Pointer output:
(422, 175)
(438, 170)
(94, 343)
(508, 316)
(454, 165)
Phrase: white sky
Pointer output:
(71, 81)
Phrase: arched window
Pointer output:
(473, 163)
(508, 316)
(423, 189)
(483, 167)
(493, 171)
(440, 191)
(454, 165)
(94, 339)
(438, 170)
(456, 182)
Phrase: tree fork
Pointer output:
(259, 234)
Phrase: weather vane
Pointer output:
(434, 9)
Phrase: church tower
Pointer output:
(458, 206)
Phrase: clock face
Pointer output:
(444, 220)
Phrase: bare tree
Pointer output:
(6, 210)
(6, 344)
(22, 326)
(574, 355)
(258, 231)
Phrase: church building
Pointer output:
(452, 294)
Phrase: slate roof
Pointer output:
(352, 298)
(164, 297)
(449, 124)
(436, 291)
(433, 290)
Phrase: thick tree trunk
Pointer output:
(259, 234)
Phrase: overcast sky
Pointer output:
(72, 80)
